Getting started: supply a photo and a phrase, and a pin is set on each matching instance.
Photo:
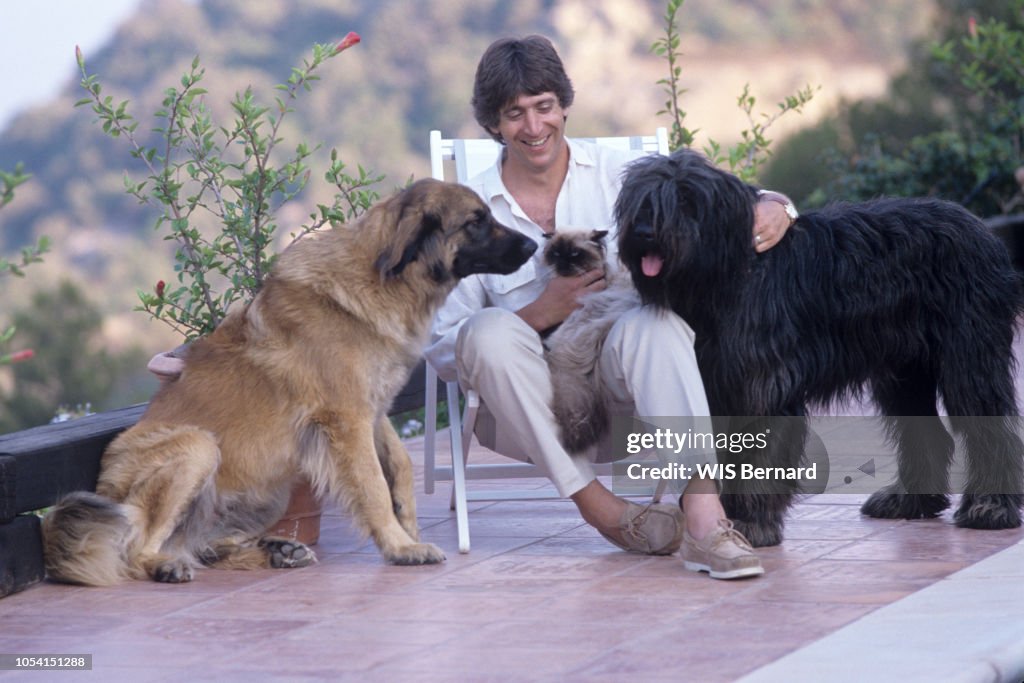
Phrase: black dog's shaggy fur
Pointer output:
(907, 299)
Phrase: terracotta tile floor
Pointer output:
(539, 597)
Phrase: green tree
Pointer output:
(949, 127)
(71, 367)
(29, 255)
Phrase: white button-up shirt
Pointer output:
(585, 202)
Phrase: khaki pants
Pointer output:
(647, 364)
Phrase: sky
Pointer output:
(37, 45)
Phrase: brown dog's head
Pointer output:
(575, 252)
(449, 230)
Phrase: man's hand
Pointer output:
(560, 298)
(770, 220)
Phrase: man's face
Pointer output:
(533, 127)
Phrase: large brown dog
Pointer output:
(298, 381)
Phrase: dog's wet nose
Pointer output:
(644, 231)
(528, 246)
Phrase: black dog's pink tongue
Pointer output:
(651, 264)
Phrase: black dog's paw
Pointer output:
(173, 571)
(891, 503)
(760, 518)
(759, 535)
(995, 511)
(287, 554)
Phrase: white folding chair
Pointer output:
(466, 158)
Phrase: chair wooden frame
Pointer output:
(470, 157)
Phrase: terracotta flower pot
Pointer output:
(301, 519)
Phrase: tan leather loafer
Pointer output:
(655, 529)
(724, 553)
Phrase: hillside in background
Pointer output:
(412, 72)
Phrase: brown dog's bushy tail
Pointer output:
(85, 540)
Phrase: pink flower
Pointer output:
(160, 288)
(972, 27)
(348, 41)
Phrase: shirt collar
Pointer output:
(492, 184)
(579, 155)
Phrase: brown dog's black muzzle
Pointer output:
(502, 252)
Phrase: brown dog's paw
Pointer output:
(173, 571)
(417, 553)
(408, 521)
(286, 554)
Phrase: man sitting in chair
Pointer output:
(488, 334)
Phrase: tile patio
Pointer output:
(541, 597)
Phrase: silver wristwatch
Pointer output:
(782, 199)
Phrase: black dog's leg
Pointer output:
(757, 504)
(994, 454)
(923, 447)
(992, 495)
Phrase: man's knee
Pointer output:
(649, 328)
(495, 334)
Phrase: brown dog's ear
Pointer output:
(419, 235)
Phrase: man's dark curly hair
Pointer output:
(517, 66)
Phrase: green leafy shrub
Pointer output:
(952, 126)
(218, 188)
(746, 157)
(9, 180)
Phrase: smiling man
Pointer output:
(533, 127)
(488, 334)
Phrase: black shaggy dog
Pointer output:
(907, 299)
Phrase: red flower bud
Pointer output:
(78, 57)
(19, 356)
(160, 289)
(972, 27)
(348, 41)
